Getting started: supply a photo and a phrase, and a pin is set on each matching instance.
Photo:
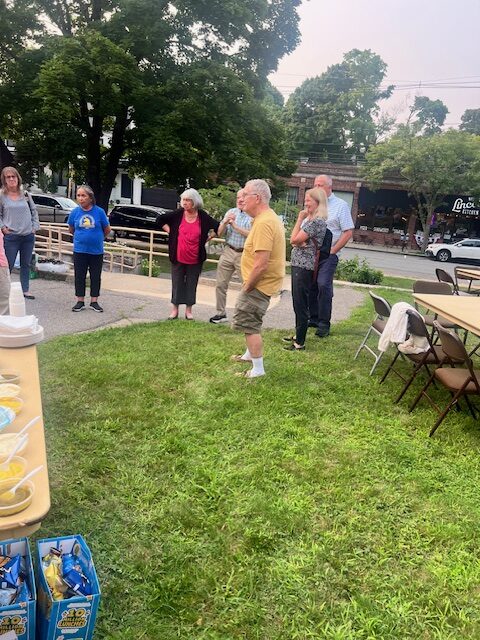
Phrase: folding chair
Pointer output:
(458, 276)
(432, 356)
(438, 288)
(444, 276)
(382, 310)
(459, 381)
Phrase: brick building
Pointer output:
(388, 216)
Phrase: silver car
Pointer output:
(52, 208)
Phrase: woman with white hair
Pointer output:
(188, 228)
(311, 241)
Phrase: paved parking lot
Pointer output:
(130, 298)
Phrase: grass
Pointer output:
(303, 505)
(400, 283)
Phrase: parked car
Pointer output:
(468, 249)
(136, 216)
(52, 208)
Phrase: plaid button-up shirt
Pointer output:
(242, 220)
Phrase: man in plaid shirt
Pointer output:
(236, 224)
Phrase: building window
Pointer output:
(292, 195)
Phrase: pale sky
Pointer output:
(423, 42)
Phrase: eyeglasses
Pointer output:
(11, 177)
(246, 195)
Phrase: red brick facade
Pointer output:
(345, 178)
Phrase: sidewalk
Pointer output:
(129, 299)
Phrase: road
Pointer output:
(396, 264)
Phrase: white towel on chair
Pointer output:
(396, 327)
(414, 344)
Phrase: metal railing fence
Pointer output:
(55, 241)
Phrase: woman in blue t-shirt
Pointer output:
(89, 226)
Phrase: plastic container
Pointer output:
(23, 499)
(8, 390)
(15, 471)
(16, 300)
(7, 416)
(9, 375)
(15, 404)
(7, 442)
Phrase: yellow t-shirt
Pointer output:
(267, 234)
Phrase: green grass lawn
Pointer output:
(302, 505)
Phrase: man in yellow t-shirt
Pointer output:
(263, 270)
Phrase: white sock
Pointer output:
(246, 355)
(257, 368)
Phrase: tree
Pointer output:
(122, 67)
(471, 121)
(332, 116)
(429, 115)
(430, 166)
(16, 24)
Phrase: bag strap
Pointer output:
(317, 259)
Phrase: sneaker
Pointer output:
(322, 332)
(79, 306)
(96, 307)
(218, 319)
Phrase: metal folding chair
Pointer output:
(432, 356)
(458, 276)
(459, 381)
(438, 288)
(382, 311)
(444, 276)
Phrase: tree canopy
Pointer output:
(428, 115)
(332, 116)
(176, 86)
(471, 121)
(430, 166)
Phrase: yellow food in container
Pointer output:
(13, 473)
(20, 500)
(8, 390)
(15, 404)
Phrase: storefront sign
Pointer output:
(466, 206)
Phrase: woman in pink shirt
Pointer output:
(188, 229)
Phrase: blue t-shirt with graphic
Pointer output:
(89, 229)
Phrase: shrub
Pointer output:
(155, 268)
(355, 271)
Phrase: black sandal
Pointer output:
(294, 347)
(288, 339)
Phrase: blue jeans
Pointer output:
(321, 293)
(15, 243)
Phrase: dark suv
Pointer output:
(136, 216)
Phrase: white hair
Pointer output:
(261, 188)
(328, 179)
(194, 196)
